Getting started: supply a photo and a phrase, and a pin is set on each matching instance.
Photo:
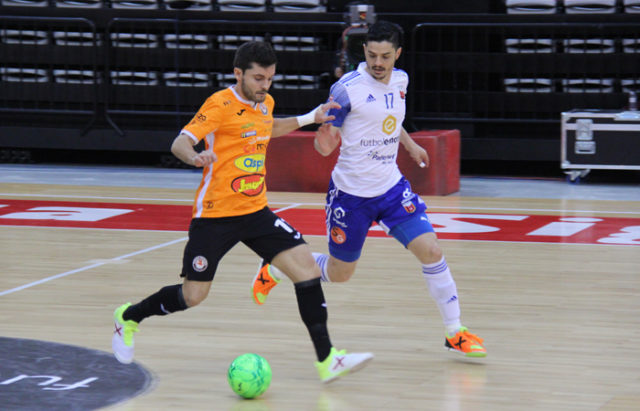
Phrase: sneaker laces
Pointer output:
(469, 335)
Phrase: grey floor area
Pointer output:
(476, 186)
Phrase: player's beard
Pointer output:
(252, 96)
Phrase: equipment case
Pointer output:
(599, 139)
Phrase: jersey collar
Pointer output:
(253, 104)
(362, 69)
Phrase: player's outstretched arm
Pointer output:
(417, 153)
(182, 148)
(282, 126)
(327, 139)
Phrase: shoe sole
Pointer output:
(467, 355)
(355, 368)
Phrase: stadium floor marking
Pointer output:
(88, 267)
(190, 201)
(103, 262)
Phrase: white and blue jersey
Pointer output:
(366, 184)
(370, 120)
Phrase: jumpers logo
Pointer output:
(250, 185)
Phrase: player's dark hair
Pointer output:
(257, 52)
(386, 31)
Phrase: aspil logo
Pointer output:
(251, 164)
(250, 185)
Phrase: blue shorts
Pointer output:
(400, 212)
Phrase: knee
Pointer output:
(340, 273)
(433, 252)
(426, 249)
(194, 295)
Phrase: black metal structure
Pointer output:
(118, 76)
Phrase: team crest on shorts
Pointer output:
(337, 235)
(200, 263)
(409, 206)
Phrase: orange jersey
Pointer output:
(238, 131)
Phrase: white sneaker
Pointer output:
(339, 363)
(122, 341)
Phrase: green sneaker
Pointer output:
(122, 341)
(339, 363)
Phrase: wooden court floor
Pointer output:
(560, 321)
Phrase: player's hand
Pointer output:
(327, 139)
(204, 158)
(321, 114)
(419, 155)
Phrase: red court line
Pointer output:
(461, 226)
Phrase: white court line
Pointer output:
(88, 267)
(122, 257)
(190, 200)
(432, 208)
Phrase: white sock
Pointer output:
(275, 273)
(321, 260)
(443, 290)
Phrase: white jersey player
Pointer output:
(366, 185)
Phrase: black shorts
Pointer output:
(211, 238)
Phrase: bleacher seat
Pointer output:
(134, 4)
(75, 76)
(25, 3)
(84, 4)
(529, 85)
(589, 6)
(295, 82)
(75, 38)
(630, 84)
(631, 6)
(134, 78)
(298, 6)
(587, 85)
(295, 43)
(146, 40)
(33, 37)
(24, 75)
(589, 45)
(187, 41)
(530, 45)
(531, 6)
(232, 41)
(242, 5)
(225, 79)
(188, 79)
(631, 45)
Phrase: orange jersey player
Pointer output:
(231, 207)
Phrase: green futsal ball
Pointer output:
(249, 375)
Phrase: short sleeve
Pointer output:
(206, 120)
(339, 94)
